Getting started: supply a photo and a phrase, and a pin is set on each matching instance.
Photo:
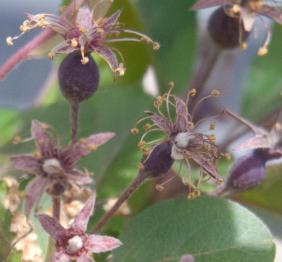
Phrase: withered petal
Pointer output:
(100, 244)
(81, 220)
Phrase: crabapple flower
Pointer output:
(247, 11)
(87, 32)
(186, 142)
(54, 167)
(73, 243)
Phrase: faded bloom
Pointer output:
(87, 32)
(12, 198)
(250, 170)
(247, 11)
(186, 142)
(73, 243)
(54, 167)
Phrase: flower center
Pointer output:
(52, 166)
(182, 139)
(74, 244)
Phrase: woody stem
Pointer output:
(24, 52)
(56, 207)
(74, 108)
(135, 184)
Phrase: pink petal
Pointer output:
(258, 141)
(209, 3)
(85, 259)
(182, 115)
(34, 192)
(271, 12)
(59, 256)
(163, 123)
(82, 218)
(84, 17)
(26, 163)
(79, 177)
(52, 227)
(42, 138)
(99, 244)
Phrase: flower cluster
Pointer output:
(186, 142)
(86, 33)
(54, 167)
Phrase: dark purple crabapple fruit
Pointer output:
(249, 171)
(227, 32)
(159, 161)
(78, 81)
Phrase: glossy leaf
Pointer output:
(210, 229)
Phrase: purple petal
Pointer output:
(84, 18)
(187, 258)
(34, 192)
(42, 138)
(26, 163)
(85, 259)
(59, 256)
(206, 165)
(113, 19)
(52, 227)
(209, 3)
(163, 123)
(271, 12)
(99, 244)
(182, 115)
(109, 56)
(83, 216)
(79, 177)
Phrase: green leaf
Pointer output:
(211, 229)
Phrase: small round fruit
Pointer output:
(78, 81)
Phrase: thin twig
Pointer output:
(74, 108)
(123, 197)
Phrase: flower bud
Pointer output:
(78, 81)
(225, 30)
(248, 172)
(159, 160)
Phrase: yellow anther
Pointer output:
(100, 30)
(212, 126)
(262, 51)
(134, 131)
(17, 140)
(212, 138)
(156, 46)
(160, 187)
(82, 30)
(51, 55)
(74, 43)
(215, 93)
(146, 151)
(158, 101)
(219, 181)
(120, 69)
(84, 60)
(141, 144)
(190, 125)
(147, 127)
(9, 41)
(36, 155)
(92, 147)
(243, 46)
(278, 126)
(192, 92)
(227, 156)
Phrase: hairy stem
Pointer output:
(24, 52)
(56, 207)
(137, 182)
(74, 108)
